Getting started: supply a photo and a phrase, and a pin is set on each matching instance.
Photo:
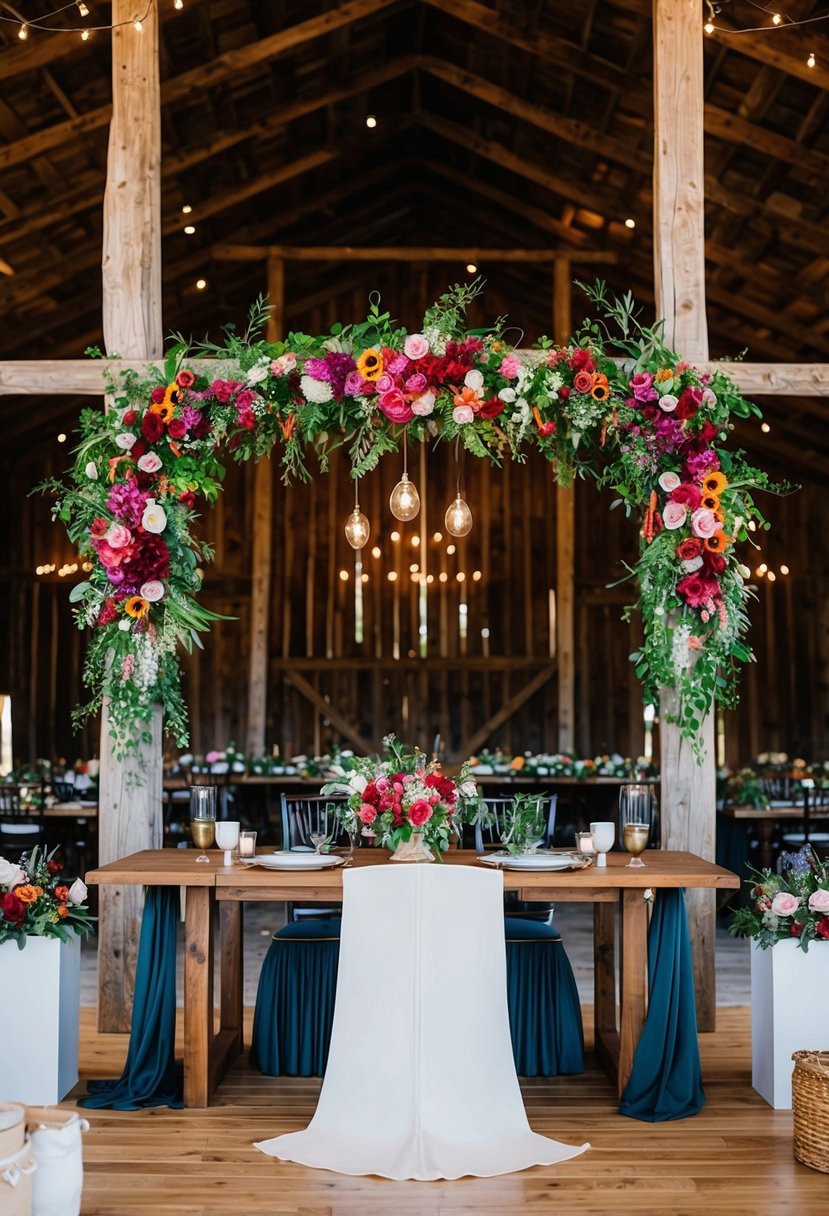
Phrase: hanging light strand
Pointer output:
(458, 518)
(357, 527)
(26, 25)
(404, 501)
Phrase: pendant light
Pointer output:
(458, 518)
(357, 527)
(404, 502)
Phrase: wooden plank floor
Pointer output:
(734, 1159)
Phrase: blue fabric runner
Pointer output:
(665, 1082)
(150, 1076)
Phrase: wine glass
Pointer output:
(318, 839)
(227, 837)
(604, 834)
(635, 816)
(203, 818)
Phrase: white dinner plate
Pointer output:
(533, 861)
(294, 861)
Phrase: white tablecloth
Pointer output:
(421, 1081)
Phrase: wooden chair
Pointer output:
(21, 825)
(302, 817)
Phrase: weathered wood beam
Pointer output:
(130, 788)
(470, 745)
(687, 789)
(402, 253)
(366, 746)
(33, 377)
(228, 66)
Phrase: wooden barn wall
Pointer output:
(462, 681)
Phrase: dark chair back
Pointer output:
(302, 816)
(781, 789)
(21, 824)
(499, 809)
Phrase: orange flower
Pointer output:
(28, 893)
(710, 501)
(164, 409)
(468, 396)
(370, 365)
(288, 427)
(62, 893)
(136, 606)
(517, 763)
(600, 389)
(63, 910)
(664, 373)
(714, 483)
(717, 543)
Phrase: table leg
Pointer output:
(604, 986)
(230, 937)
(632, 980)
(765, 836)
(198, 995)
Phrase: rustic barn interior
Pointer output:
(326, 153)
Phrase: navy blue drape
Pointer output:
(150, 1076)
(665, 1082)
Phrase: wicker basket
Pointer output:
(810, 1108)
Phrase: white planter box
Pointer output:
(789, 1000)
(39, 1014)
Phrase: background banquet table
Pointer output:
(617, 888)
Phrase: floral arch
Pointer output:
(614, 403)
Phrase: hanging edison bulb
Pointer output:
(458, 518)
(404, 502)
(357, 528)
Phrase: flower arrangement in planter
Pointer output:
(36, 901)
(402, 795)
(791, 904)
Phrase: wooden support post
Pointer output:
(130, 816)
(687, 788)
(262, 543)
(565, 547)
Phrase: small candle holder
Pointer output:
(584, 842)
(247, 843)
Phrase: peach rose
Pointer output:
(819, 901)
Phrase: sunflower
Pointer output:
(717, 543)
(370, 365)
(136, 606)
(714, 483)
(600, 388)
(164, 409)
(711, 502)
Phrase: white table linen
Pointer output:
(421, 1080)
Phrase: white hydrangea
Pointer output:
(436, 340)
(681, 654)
(317, 391)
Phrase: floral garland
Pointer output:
(652, 428)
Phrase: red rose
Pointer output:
(796, 929)
(564, 393)
(491, 408)
(707, 432)
(582, 361)
(54, 867)
(715, 563)
(689, 495)
(158, 394)
(138, 449)
(822, 927)
(185, 379)
(99, 528)
(176, 428)
(688, 549)
(129, 417)
(187, 499)
(689, 402)
(13, 909)
(433, 781)
(152, 428)
(108, 613)
(420, 813)
(651, 412)
(696, 591)
(247, 419)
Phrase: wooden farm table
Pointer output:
(207, 1052)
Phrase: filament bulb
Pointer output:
(404, 501)
(458, 518)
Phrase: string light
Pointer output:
(450, 549)
(61, 438)
(82, 9)
(630, 223)
(392, 576)
(344, 576)
(811, 61)
(414, 568)
(23, 33)
(371, 121)
(443, 576)
(438, 537)
(771, 576)
(201, 284)
(709, 27)
(139, 25)
(765, 428)
(471, 268)
(186, 209)
(357, 527)
(415, 541)
(776, 19)
(179, 4)
(395, 535)
(85, 35)
(376, 551)
(784, 569)
(189, 229)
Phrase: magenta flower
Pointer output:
(317, 369)
(641, 385)
(355, 385)
(395, 406)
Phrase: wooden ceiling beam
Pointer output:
(403, 253)
(225, 67)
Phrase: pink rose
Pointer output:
(284, 364)
(510, 366)
(582, 382)
(382, 785)
(669, 481)
(416, 384)
(397, 365)
(819, 901)
(785, 904)
(668, 403)
(415, 346)
(463, 413)
(366, 814)
(124, 441)
(395, 406)
(424, 404)
(641, 385)
(704, 523)
(674, 515)
(709, 397)
(355, 385)
(118, 537)
(149, 463)
(152, 590)
(385, 384)
(420, 812)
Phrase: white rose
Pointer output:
(124, 441)
(668, 403)
(357, 782)
(424, 404)
(11, 875)
(154, 518)
(469, 789)
(150, 462)
(152, 591)
(257, 374)
(91, 471)
(507, 394)
(669, 481)
(78, 892)
(474, 380)
(124, 624)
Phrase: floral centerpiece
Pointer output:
(36, 901)
(401, 795)
(648, 424)
(742, 788)
(791, 904)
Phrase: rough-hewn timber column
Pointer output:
(688, 788)
(565, 539)
(262, 542)
(130, 808)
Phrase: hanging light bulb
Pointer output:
(404, 502)
(357, 528)
(458, 518)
